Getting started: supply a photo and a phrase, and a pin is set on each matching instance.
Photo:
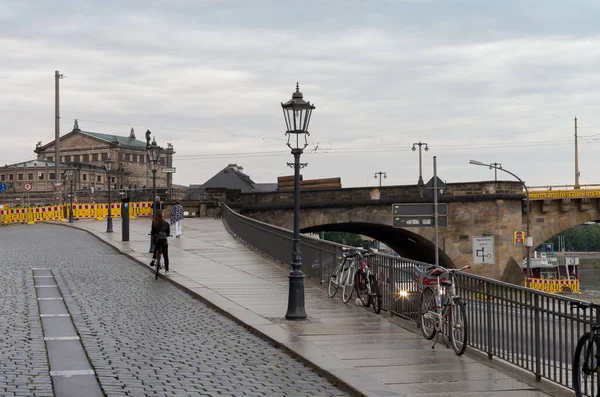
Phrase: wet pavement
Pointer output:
(139, 336)
(373, 355)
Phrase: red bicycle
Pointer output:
(366, 284)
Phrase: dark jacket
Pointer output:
(160, 232)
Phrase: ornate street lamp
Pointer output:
(153, 158)
(297, 113)
(528, 239)
(69, 175)
(380, 173)
(109, 223)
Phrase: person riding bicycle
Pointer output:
(159, 233)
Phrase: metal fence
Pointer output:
(534, 330)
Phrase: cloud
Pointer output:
(473, 80)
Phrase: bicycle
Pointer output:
(441, 309)
(586, 365)
(367, 286)
(339, 276)
(158, 253)
(218, 211)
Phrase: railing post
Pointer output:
(488, 314)
(537, 336)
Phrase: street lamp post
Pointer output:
(297, 113)
(69, 174)
(496, 166)
(109, 223)
(414, 147)
(380, 173)
(153, 159)
(528, 239)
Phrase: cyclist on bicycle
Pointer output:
(159, 232)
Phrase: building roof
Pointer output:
(230, 177)
(126, 141)
(122, 141)
(31, 163)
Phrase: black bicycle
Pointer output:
(586, 371)
(158, 254)
(218, 211)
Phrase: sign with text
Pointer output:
(169, 170)
(483, 250)
(411, 209)
(419, 221)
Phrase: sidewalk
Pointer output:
(372, 355)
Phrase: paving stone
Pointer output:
(142, 336)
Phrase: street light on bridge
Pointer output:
(528, 239)
(380, 173)
(414, 147)
(297, 113)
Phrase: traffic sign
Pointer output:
(483, 250)
(2, 187)
(412, 209)
(169, 169)
(27, 186)
(419, 221)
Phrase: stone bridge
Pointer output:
(495, 208)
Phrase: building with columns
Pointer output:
(86, 152)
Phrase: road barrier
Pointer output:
(554, 286)
(98, 211)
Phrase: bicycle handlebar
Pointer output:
(449, 270)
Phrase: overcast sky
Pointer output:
(495, 81)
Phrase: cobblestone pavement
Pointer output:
(144, 337)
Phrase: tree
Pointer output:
(351, 239)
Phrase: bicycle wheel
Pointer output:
(585, 363)
(348, 288)
(458, 326)
(158, 258)
(427, 304)
(334, 281)
(361, 288)
(376, 295)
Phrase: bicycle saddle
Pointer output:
(437, 271)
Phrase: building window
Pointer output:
(77, 158)
(30, 176)
(52, 175)
(20, 177)
(86, 158)
(99, 178)
(84, 177)
(104, 156)
(112, 179)
(130, 157)
(94, 156)
(41, 176)
(68, 159)
(10, 185)
(11, 177)
(50, 158)
(2, 177)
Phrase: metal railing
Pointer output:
(534, 330)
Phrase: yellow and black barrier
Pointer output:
(554, 286)
(98, 211)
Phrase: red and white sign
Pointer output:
(27, 186)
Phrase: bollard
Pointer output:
(125, 218)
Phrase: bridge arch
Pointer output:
(407, 244)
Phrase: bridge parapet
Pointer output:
(463, 191)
